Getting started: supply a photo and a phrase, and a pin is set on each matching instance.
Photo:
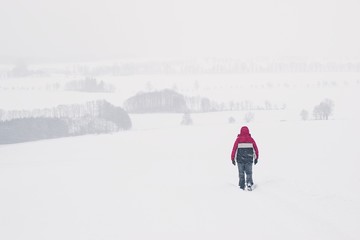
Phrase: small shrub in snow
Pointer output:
(186, 120)
(249, 117)
(304, 115)
(231, 120)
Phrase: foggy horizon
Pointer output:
(81, 30)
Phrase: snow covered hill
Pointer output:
(177, 182)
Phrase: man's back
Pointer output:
(245, 147)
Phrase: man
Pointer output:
(245, 152)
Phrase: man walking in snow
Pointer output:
(245, 152)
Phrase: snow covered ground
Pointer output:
(165, 181)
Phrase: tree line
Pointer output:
(93, 117)
(203, 66)
(89, 85)
(171, 101)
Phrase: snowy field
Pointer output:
(161, 180)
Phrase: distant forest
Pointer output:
(198, 66)
(158, 101)
(65, 120)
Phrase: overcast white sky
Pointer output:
(179, 28)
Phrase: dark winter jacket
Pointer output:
(245, 149)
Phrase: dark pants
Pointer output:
(245, 168)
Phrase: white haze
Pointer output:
(88, 30)
(161, 180)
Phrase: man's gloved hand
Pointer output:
(233, 162)
(255, 161)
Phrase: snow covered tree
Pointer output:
(304, 115)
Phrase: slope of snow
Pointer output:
(177, 182)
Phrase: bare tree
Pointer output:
(323, 110)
